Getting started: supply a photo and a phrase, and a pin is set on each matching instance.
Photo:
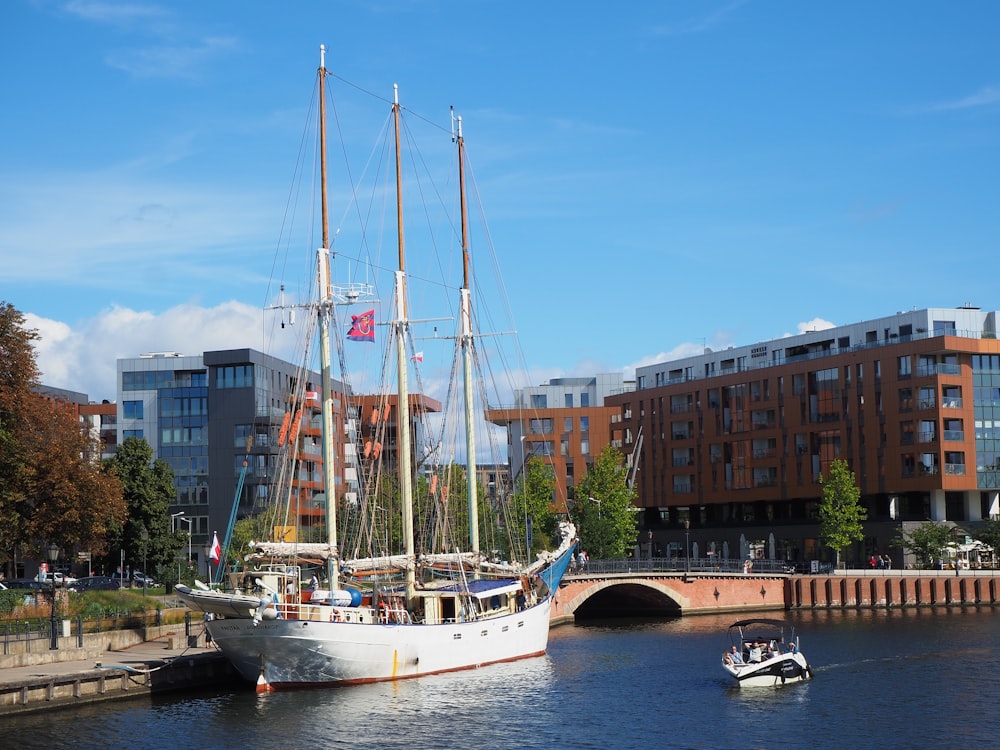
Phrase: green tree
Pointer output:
(52, 487)
(840, 511)
(533, 503)
(148, 488)
(927, 542)
(604, 512)
(989, 533)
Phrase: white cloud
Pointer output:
(816, 324)
(83, 357)
(984, 97)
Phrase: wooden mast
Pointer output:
(466, 333)
(324, 311)
(403, 397)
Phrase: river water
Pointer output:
(883, 679)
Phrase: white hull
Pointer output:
(780, 670)
(287, 653)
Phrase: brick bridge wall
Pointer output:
(700, 593)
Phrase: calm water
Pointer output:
(902, 679)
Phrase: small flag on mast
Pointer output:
(216, 553)
(362, 327)
(418, 357)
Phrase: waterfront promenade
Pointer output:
(138, 670)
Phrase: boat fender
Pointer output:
(356, 597)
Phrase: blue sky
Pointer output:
(678, 175)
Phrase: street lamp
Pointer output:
(595, 500)
(53, 553)
(145, 544)
(180, 517)
(687, 547)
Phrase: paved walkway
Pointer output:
(141, 657)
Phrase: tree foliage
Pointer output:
(603, 511)
(927, 542)
(989, 533)
(840, 511)
(148, 488)
(52, 487)
(533, 504)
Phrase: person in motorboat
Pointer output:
(755, 653)
(733, 656)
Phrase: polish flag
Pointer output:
(418, 357)
(216, 552)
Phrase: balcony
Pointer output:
(951, 402)
(942, 369)
(955, 470)
(927, 436)
(954, 435)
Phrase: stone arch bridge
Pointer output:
(639, 593)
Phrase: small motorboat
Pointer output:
(765, 653)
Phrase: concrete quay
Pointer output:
(135, 671)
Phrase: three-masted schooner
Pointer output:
(446, 611)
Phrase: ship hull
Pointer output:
(289, 653)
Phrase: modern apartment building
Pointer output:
(734, 442)
(100, 418)
(565, 422)
(219, 419)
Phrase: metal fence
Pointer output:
(760, 566)
(41, 633)
(678, 565)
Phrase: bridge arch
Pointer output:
(620, 597)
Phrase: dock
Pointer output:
(134, 671)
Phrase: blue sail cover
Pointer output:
(553, 574)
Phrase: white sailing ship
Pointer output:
(419, 609)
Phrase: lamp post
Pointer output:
(687, 547)
(53, 553)
(145, 544)
(180, 517)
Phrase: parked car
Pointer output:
(61, 579)
(139, 579)
(95, 583)
(25, 584)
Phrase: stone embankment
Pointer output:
(893, 589)
(108, 666)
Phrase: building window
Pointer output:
(241, 433)
(126, 434)
(584, 424)
(584, 399)
(538, 401)
(132, 409)
(541, 426)
(234, 376)
(944, 327)
(569, 400)
(904, 366)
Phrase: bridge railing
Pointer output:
(677, 565)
